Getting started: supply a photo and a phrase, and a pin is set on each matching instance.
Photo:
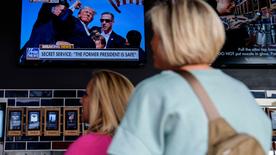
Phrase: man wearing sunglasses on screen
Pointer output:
(113, 39)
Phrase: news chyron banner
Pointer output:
(83, 54)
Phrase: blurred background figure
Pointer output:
(133, 40)
(225, 7)
(103, 108)
(236, 25)
(226, 10)
(99, 41)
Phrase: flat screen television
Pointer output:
(250, 35)
(2, 119)
(61, 32)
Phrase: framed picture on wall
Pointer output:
(15, 122)
(33, 123)
(71, 121)
(272, 114)
(52, 122)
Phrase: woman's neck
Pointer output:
(196, 67)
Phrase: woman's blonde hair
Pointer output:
(108, 93)
(190, 32)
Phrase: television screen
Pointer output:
(82, 32)
(250, 34)
(2, 119)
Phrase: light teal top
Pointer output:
(164, 117)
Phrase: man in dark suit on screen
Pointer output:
(45, 29)
(74, 30)
(113, 40)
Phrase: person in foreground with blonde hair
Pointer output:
(164, 115)
(103, 108)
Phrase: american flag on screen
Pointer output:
(117, 3)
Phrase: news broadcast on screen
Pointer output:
(81, 31)
(250, 28)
